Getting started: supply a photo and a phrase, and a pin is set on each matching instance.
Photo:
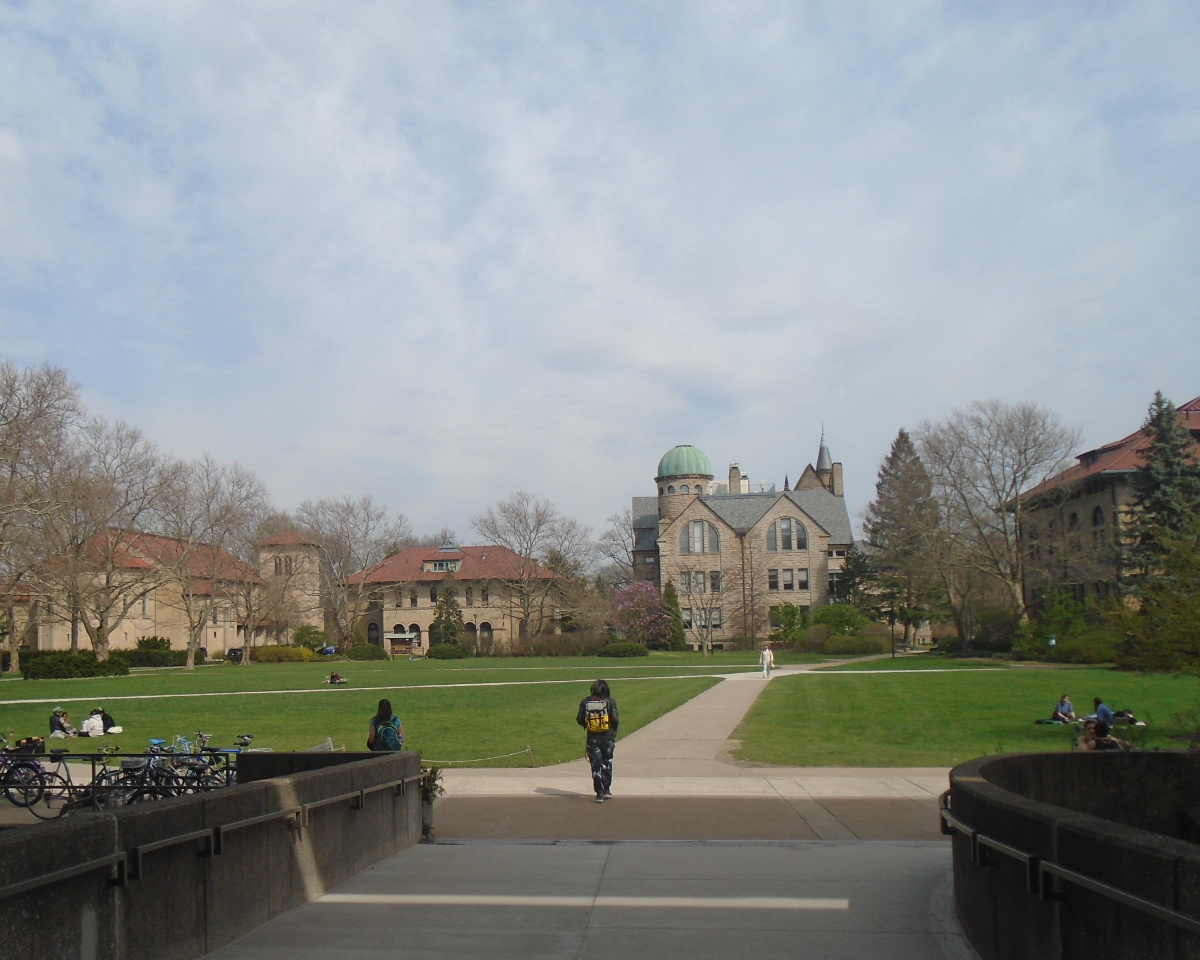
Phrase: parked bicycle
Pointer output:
(20, 775)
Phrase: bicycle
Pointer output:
(21, 779)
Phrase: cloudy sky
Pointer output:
(436, 252)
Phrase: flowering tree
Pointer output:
(641, 615)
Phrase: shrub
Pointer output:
(153, 643)
(283, 655)
(857, 643)
(789, 622)
(155, 657)
(624, 648)
(446, 651)
(584, 643)
(62, 666)
(841, 618)
(366, 651)
(878, 631)
(815, 638)
(310, 636)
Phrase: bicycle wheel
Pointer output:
(23, 784)
(113, 788)
(55, 799)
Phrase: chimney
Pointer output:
(836, 478)
(735, 477)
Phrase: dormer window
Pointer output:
(441, 566)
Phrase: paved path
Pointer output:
(675, 779)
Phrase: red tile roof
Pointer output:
(1122, 456)
(478, 563)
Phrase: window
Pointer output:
(279, 565)
(714, 581)
(660, 491)
(214, 616)
(670, 489)
(802, 579)
(287, 565)
(483, 596)
(432, 595)
(686, 613)
(684, 489)
(715, 620)
(143, 606)
(412, 598)
(441, 566)
(691, 538)
(698, 583)
(788, 583)
(469, 595)
(685, 582)
(787, 534)
(772, 579)
(833, 584)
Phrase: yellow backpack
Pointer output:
(596, 715)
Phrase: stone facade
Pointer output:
(734, 553)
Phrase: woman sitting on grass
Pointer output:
(386, 732)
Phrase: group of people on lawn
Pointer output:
(1095, 730)
(97, 724)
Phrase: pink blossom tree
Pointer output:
(642, 615)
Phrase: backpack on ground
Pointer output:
(387, 736)
(596, 716)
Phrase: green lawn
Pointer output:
(445, 722)
(941, 719)
(922, 661)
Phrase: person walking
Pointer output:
(767, 659)
(385, 732)
(598, 716)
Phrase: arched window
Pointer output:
(787, 534)
(692, 538)
(685, 489)
(415, 630)
(412, 598)
(671, 489)
(373, 633)
(469, 595)
(397, 628)
(660, 491)
(485, 632)
(1098, 517)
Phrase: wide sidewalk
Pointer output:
(675, 779)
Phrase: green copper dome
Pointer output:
(684, 461)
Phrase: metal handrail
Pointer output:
(1040, 874)
(87, 867)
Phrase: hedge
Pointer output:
(624, 648)
(155, 658)
(366, 651)
(64, 666)
(446, 651)
(282, 655)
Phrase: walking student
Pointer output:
(385, 732)
(767, 659)
(598, 716)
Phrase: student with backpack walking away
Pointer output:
(386, 732)
(598, 716)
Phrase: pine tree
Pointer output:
(899, 525)
(676, 636)
(1166, 488)
(448, 625)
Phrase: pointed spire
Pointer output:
(785, 483)
(824, 460)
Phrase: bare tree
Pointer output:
(750, 605)
(110, 486)
(211, 509)
(535, 535)
(702, 596)
(980, 460)
(38, 409)
(616, 543)
(351, 536)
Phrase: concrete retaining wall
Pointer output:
(188, 898)
(1001, 798)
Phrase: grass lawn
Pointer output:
(941, 719)
(444, 721)
(923, 661)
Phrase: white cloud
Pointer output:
(437, 252)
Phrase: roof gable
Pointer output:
(478, 563)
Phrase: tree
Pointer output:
(447, 625)
(676, 636)
(110, 485)
(641, 614)
(616, 544)
(1163, 630)
(900, 524)
(790, 623)
(534, 533)
(350, 536)
(980, 460)
(1166, 487)
(211, 510)
(39, 408)
(855, 582)
(704, 592)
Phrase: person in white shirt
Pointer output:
(93, 726)
(767, 659)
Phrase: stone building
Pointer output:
(1074, 523)
(734, 552)
(405, 589)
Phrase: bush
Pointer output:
(446, 651)
(857, 643)
(62, 666)
(584, 643)
(366, 651)
(153, 643)
(283, 655)
(154, 657)
(815, 638)
(310, 636)
(624, 648)
(841, 618)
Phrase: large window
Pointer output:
(772, 579)
(699, 537)
(786, 534)
(714, 581)
(469, 595)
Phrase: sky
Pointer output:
(437, 252)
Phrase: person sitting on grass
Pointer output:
(1087, 736)
(1064, 711)
(335, 679)
(60, 725)
(93, 726)
(385, 732)
(1102, 712)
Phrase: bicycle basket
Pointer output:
(133, 763)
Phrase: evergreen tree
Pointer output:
(900, 523)
(676, 636)
(1166, 488)
(448, 625)
(1163, 631)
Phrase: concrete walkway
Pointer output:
(675, 779)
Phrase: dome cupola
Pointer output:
(684, 461)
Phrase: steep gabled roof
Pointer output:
(289, 538)
(478, 563)
(1119, 458)
(829, 511)
(741, 510)
(645, 522)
